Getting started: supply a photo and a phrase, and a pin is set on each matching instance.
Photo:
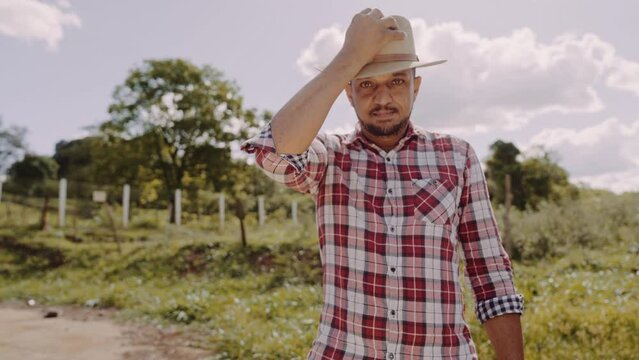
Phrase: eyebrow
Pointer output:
(402, 73)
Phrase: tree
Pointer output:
(32, 176)
(544, 179)
(12, 145)
(245, 182)
(502, 161)
(76, 163)
(181, 119)
(534, 178)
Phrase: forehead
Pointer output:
(384, 77)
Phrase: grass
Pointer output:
(264, 301)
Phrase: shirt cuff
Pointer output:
(500, 305)
(264, 141)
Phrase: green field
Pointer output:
(577, 266)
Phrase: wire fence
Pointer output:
(78, 205)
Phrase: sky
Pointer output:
(559, 74)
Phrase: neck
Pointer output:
(387, 142)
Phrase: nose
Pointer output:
(382, 96)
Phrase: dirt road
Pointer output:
(82, 333)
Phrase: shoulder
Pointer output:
(334, 141)
(443, 141)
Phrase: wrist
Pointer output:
(348, 62)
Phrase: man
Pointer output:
(394, 202)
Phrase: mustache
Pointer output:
(385, 108)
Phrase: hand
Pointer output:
(368, 32)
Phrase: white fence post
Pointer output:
(126, 194)
(3, 178)
(222, 208)
(62, 201)
(260, 209)
(294, 211)
(178, 207)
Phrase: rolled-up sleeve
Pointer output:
(301, 172)
(487, 264)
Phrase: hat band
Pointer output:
(394, 57)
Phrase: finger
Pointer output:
(396, 34)
(390, 23)
(365, 11)
(376, 13)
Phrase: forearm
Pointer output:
(299, 121)
(505, 334)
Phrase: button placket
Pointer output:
(393, 283)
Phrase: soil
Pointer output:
(86, 333)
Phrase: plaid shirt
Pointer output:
(389, 225)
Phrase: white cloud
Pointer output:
(618, 181)
(624, 76)
(600, 155)
(499, 82)
(36, 20)
(63, 3)
(326, 41)
(610, 129)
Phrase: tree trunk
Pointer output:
(8, 211)
(243, 232)
(508, 241)
(43, 216)
(239, 212)
(114, 227)
(171, 212)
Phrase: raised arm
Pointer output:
(289, 148)
(298, 122)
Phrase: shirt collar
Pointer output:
(358, 136)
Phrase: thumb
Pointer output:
(396, 35)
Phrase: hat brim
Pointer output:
(375, 69)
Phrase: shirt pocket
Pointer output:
(434, 200)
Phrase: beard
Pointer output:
(384, 130)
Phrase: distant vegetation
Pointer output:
(578, 272)
(172, 124)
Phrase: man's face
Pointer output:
(384, 103)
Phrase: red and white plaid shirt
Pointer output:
(390, 224)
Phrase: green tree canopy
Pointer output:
(533, 178)
(179, 119)
(504, 160)
(12, 145)
(32, 176)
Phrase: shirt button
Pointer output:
(390, 191)
(388, 158)
(392, 229)
(393, 269)
(391, 356)
(393, 312)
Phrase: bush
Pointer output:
(557, 228)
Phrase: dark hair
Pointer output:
(414, 75)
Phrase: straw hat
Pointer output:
(396, 55)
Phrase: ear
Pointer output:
(417, 81)
(349, 92)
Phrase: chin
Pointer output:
(384, 127)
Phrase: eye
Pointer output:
(398, 81)
(366, 84)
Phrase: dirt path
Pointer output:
(82, 333)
